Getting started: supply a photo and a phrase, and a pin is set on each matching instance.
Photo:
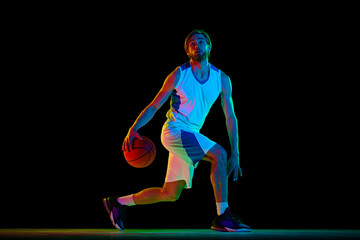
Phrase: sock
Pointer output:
(221, 207)
(127, 200)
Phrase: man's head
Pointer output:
(198, 45)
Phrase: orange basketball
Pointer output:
(142, 154)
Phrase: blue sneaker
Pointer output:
(228, 222)
(116, 212)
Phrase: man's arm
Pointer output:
(231, 125)
(148, 113)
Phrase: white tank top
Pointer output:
(192, 99)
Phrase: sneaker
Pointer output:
(228, 222)
(116, 212)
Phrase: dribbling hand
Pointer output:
(127, 144)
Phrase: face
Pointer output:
(198, 49)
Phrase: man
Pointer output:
(193, 88)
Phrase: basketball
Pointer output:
(142, 154)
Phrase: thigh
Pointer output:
(179, 169)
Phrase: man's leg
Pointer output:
(218, 158)
(116, 207)
(219, 180)
(225, 221)
(170, 192)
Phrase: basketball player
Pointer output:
(193, 88)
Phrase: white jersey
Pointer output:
(192, 99)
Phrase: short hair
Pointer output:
(197, 31)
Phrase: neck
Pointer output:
(202, 66)
(200, 69)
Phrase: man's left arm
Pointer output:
(232, 126)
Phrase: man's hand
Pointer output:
(234, 167)
(127, 144)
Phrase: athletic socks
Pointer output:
(221, 207)
(127, 200)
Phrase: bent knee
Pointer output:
(217, 154)
(172, 191)
(171, 196)
(220, 153)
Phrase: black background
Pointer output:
(79, 77)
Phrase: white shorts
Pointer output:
(186, 148)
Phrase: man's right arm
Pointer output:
(148, 113)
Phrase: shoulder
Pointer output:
(224, 77)
(225, 83)
(185, 66)
(176, 73)
(173, 78)
(212, 67)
